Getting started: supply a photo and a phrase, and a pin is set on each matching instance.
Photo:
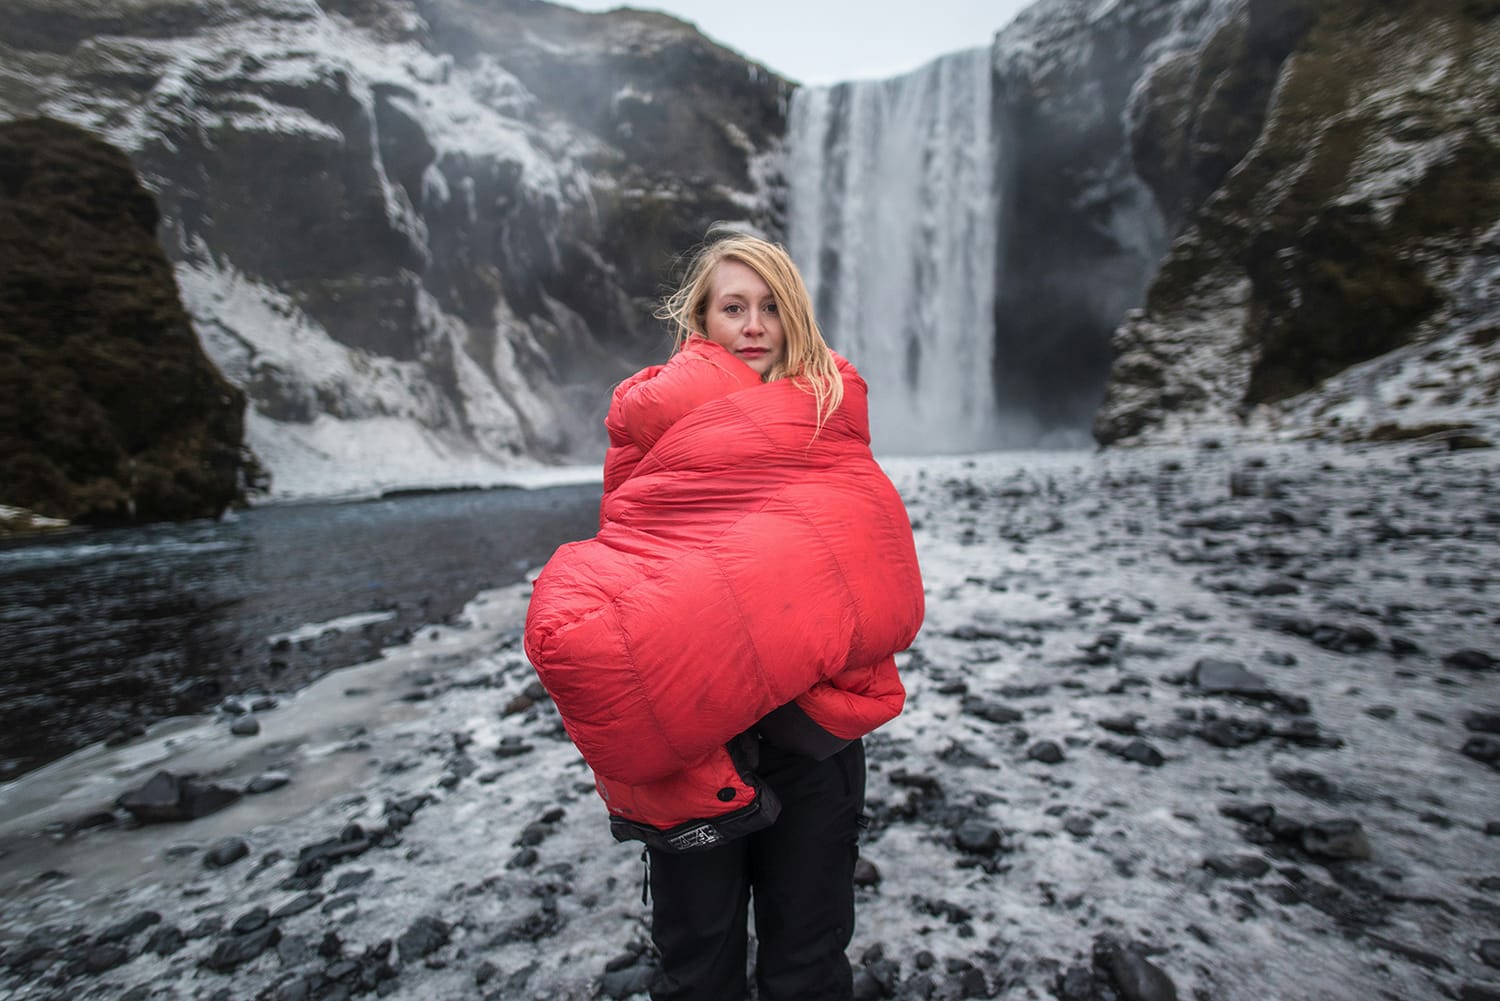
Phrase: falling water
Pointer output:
(894, 220)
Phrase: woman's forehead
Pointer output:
(733, 277)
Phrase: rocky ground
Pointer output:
(1218, 722)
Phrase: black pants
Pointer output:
(800, 871)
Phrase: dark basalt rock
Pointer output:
(167, 797)
(129, 928)
(245, 726)
(1228, 677)
(993, 712)
(1237, 866)
(1483, 721)
(1121, 970)
(1471, 660)
(113, 412)
(977, 838)
(105, 957)
(1046, 751)
(238, 948)
(629, 975)
(266, 782)
(226, 852)
(1335, 839)
(166, 940)
(866, 873)
(1139, 751)
(1483, 748)
(1233, 732)
(425, 936)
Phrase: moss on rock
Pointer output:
(1347, 227)
(109, 410)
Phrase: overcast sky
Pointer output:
(826, 41)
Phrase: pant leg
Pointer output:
(802, 872)
(698, 914)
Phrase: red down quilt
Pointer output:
(743, 561)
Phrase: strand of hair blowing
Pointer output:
(809, 361)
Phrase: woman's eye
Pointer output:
(769, 307)
(732, 308)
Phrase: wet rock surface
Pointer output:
(1116, 777)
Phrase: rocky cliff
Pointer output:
(1081, 234)
(1331, 173)
(424, 235)
(109, 410)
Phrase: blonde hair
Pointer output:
(808, 360)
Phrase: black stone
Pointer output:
(128, 928)
(252, 920)
(267, 781)
(1228, 677)
(977, 838)
(866, 873)
(425, 936)
(1139, 751)
(1045, 751)
(1335, 839)
(1470, 660)
(628, 981)
(226, 852)
(105, 957)
(1259, 814)
(1128, 726)
(1237, 866)
(230, 952)
(1485, 748)
(166, 940)
(1233, 732)
(1483, 721)
(167, 797)
(298, 904)
(349, 880)
(1134, 976)
(993, 712)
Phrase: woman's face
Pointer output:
(743, 317)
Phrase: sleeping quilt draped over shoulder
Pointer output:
(745, 559)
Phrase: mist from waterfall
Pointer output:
(893, 217)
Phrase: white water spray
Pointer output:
(894, 220)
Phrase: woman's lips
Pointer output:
(752, 352)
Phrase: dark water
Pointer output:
(111, 629)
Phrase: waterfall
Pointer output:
(893, 218)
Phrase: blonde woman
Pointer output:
(720, 647)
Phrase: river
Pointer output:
(104, 631)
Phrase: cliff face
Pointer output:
(1338, 252)
(109, 410)
(424, 235)
(1080, 234)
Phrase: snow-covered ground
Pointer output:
(1070, 598)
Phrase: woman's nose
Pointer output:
(753, 322)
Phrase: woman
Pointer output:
(719, 648)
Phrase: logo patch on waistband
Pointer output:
(695, 837)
